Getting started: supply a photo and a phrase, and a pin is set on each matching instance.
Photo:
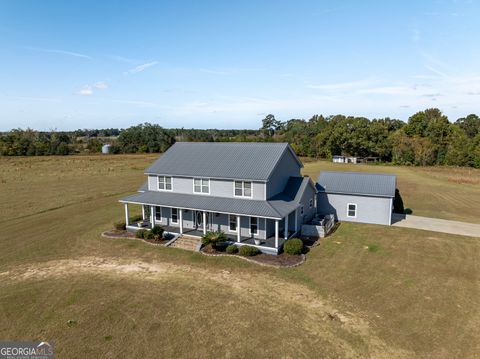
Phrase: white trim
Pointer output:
(348, 210)
(236, 225)
(250, 226)
(243, 189)
(276, 233)
(126, 214)
(171, 215)
(201, 185)
(192, 209)
(165, 182)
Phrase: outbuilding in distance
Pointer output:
(356, 197)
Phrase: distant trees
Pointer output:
(428, 138)
(144, 138)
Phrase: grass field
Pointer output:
(366, 291)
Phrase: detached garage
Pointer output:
(356, 197)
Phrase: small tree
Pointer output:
(213, 238)
(157, 232)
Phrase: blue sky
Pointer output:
(221, 64)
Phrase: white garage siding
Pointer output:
(376, 210)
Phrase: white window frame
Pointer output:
(161, 214)
(164, 183)
(348, 210)
(201, 185)
(171, 215)
(250, 226)
(243, 189)
(230, 216)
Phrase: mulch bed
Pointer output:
(281, 260)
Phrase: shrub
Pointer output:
(121, 226)
(157, 232)
(293, 246)
(232, 249)
(148, 235)
(140, 233)
(213, 238)
(248, 251)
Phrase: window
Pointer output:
(174, 215)
(158, 213)
(301, 210)
(253, 225)
(201, 185)
(164, 183)
(243, 189)
(352, 210)
(310, 203)
(232, 226)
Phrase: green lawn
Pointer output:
(365, 291)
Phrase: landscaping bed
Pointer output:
(282, 260)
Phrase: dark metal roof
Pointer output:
(277, 207)
(230, 160)
(209, 203)
(357, 183)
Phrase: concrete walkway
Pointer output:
(436, 225)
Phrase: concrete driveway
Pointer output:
(436, 225)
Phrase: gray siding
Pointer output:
(308, 212)
(218, 187)
(376, 210)
(218, 222)
(287, 167)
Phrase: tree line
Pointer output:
(427, 138)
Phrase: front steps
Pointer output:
(187, 242)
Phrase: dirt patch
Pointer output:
(244, 286)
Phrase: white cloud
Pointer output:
(101, 85)
(86, 90)
(340, 85)
(141, 68)
(61, 52)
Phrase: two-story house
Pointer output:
(247, 190)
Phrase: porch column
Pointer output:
(276, 233)
(181, 220)
(152, 216)
(143, 212)
(285, 229)
(204, 223)
(238, 229)
(296, 220)
(126, 214)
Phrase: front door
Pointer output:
(199, 220)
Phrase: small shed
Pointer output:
(106, 149)
(356, 197)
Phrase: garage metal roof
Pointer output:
(357, 183)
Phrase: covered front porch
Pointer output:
(270, 233)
